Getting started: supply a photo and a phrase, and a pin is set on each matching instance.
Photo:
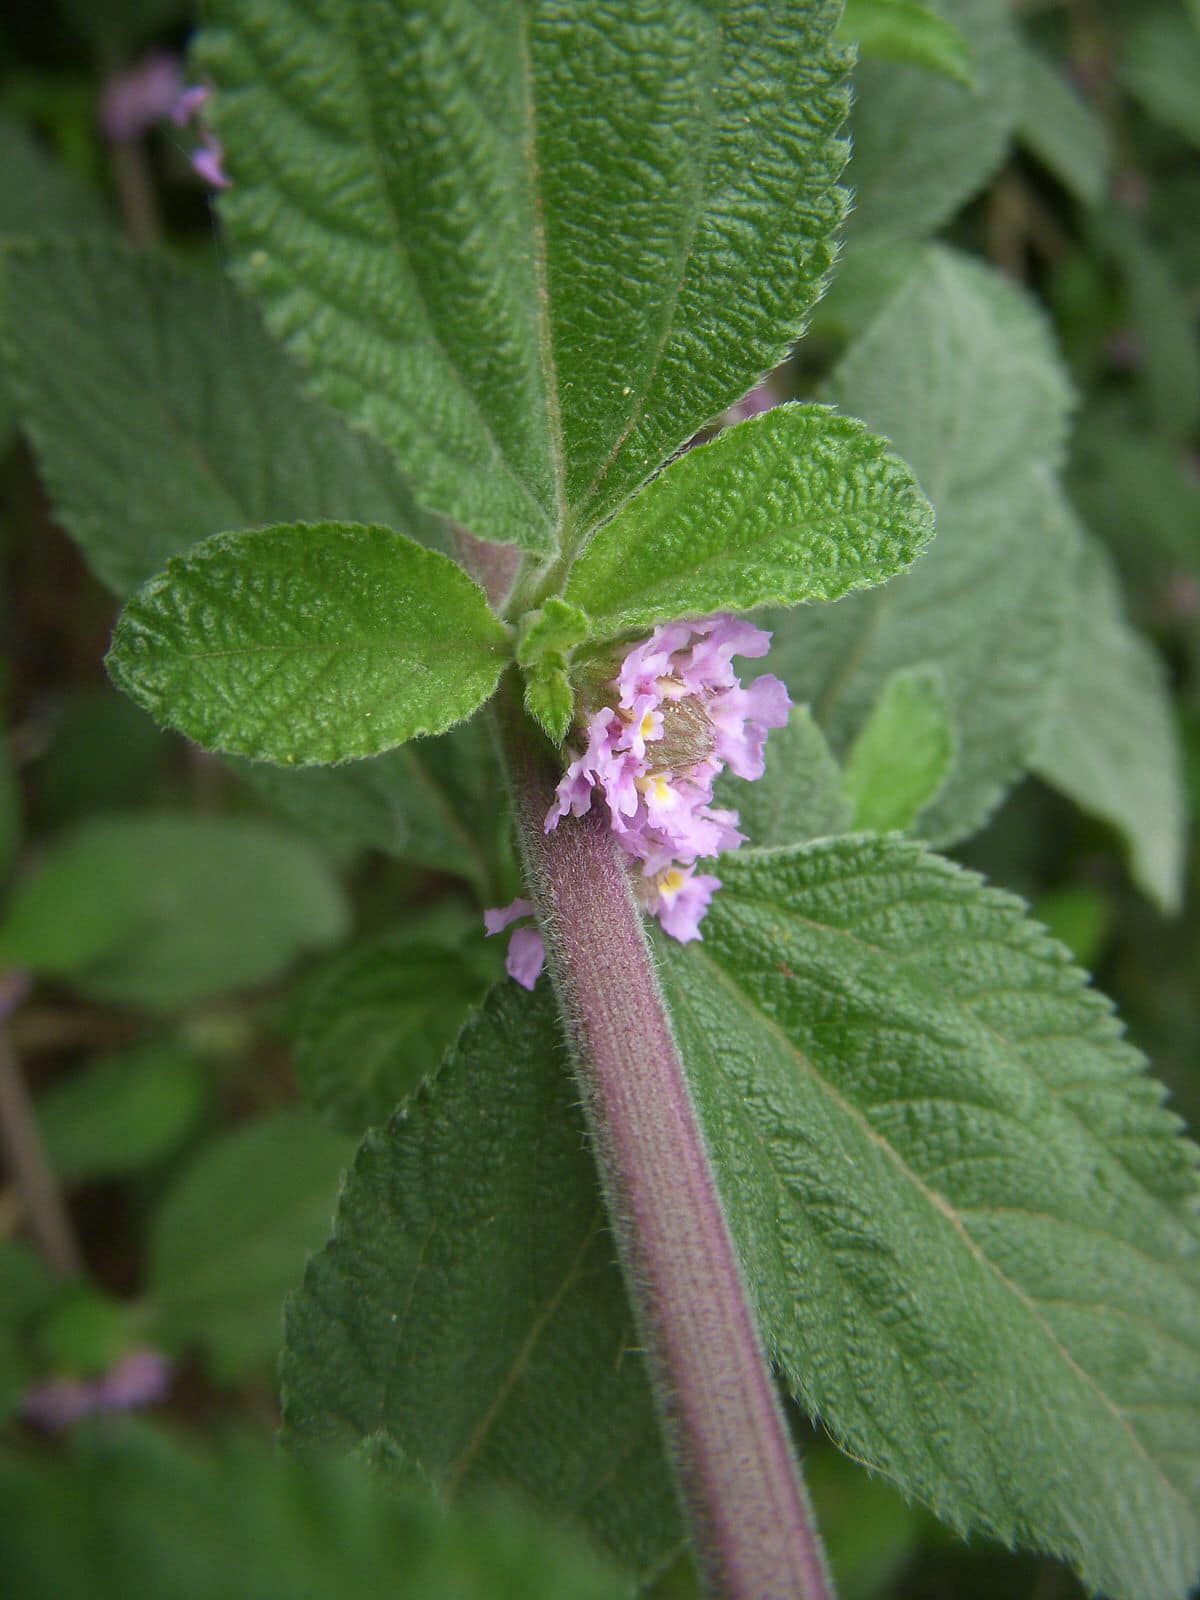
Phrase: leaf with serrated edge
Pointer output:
(903, 753)
(795, 504)
(469, 1305)
(1109, 742)
(968, 1221)
(307, 643)
(959, 371)
(533, 247)
(161, 411)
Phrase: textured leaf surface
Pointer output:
(162, 412)
(799, 796)
(427, 802)
(130, 1514)
(535, 246)
(162, 911)
(230, 1237)
(469, 1306)
(796, 504)
(376, 1021)
(40, 196)
(1063, 132)
(1109, 742)
(968, 1221)
(924, 145)
(123, 1112)
(906, 30)
(958, 370)
(903, 753)
(310, 643)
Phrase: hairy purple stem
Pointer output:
(737, 1473)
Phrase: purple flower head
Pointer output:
(681, 716)
(139, 1378)
(526, 949)
(206, 163)
(132, 102)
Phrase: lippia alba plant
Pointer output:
(862, 1143)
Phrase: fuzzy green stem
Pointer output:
(739, 1481)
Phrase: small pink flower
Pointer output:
(206, 163)
(132, 102)
(526, 954)
(140, 1378)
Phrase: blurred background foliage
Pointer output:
(216, 976)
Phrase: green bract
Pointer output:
(312, 643)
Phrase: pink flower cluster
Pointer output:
(681, 717)
(150, 92)
(140, 1378)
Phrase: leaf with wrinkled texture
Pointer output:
(967, 1219)
(426, 802)
(1109, 742)
(922, 146)
(904, 751)
(377, 1020)
(795, 504)
(161, 911)
(958, 370)
(228, 1237)
(469, 1305)
(907, 30)
(308, 643)
(161, 411)
(533, 247)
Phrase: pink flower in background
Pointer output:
(140, 1378)
(132, 102)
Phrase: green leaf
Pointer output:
(39, 196)
(230, 1236)
(130, 1514)
(959, 371)
(534, 330)
(163, 911)
(469, 1307)
(1161, 68)
(924, 145)
(550, 701)
(427, 802)
(310, 643)
(1061, 130)
(10, 809)
(377, 1020)
(122, 1113)
(795, 504)
(907, 30)
(1163, 315)
(85, 1332)
(1109, 741)
(799, 796)
(106, 755)
(968, 1221)
(162, 412)
(904, 751)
